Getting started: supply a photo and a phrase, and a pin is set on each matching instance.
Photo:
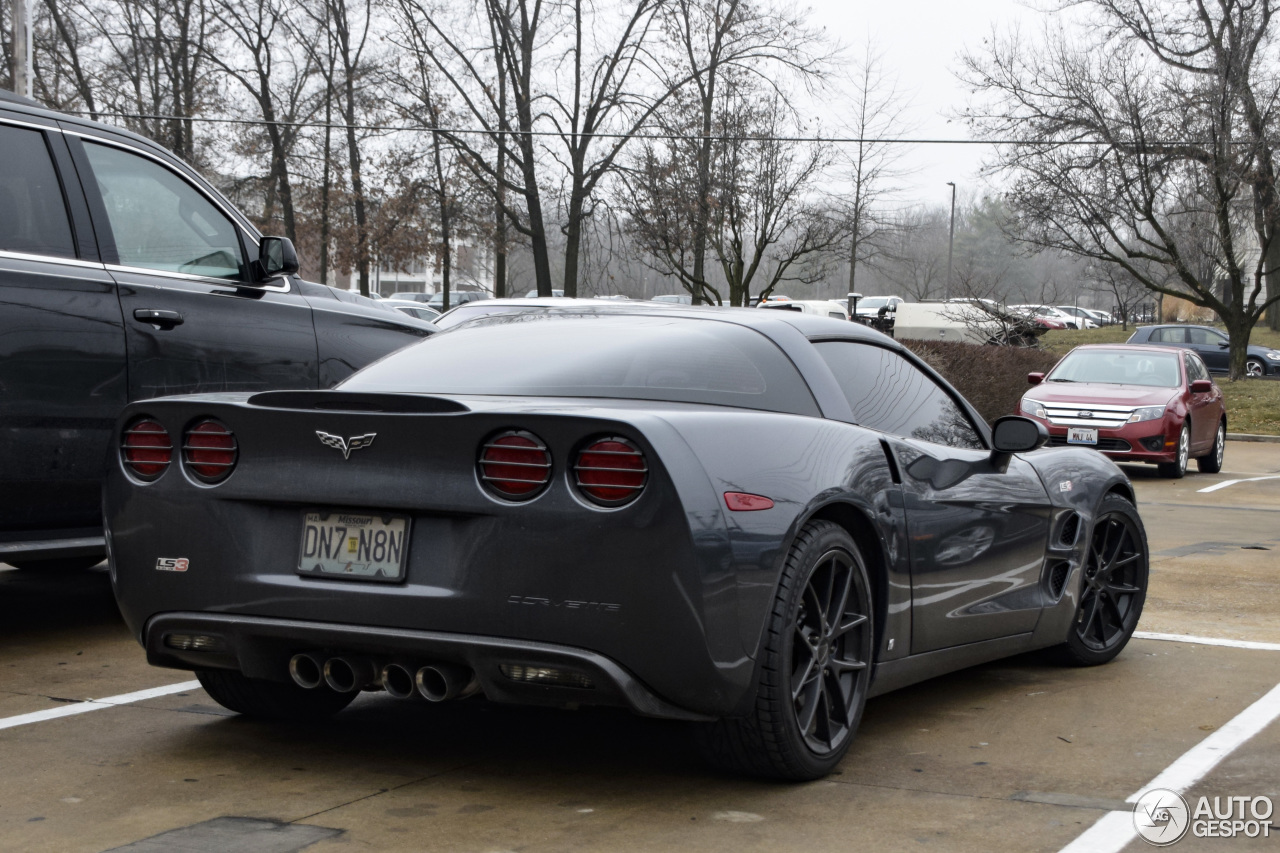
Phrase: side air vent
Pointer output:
(1058, 572)
(1070, 530)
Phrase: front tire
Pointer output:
(1254, 368)
(1177, 469)
(1113, 589)
(815, 666)
(1212, 463)
(271, 700)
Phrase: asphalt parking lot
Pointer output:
(1016, 755)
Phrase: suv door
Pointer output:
(195, 319)
(977, 537)
(62, 349)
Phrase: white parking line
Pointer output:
(1115, 829)
(1207, 641)
(96, 704)
(1226, 483)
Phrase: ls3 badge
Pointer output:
(172, 564)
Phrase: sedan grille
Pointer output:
(1098, 415)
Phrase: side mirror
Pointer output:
(1014, 434)
(1202, 386)
(1223, 344)
(1035, 378)
(276, 256)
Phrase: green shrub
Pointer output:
(992, 378)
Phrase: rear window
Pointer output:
(594, 355)
(1119, 367)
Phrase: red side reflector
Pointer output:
(743, 502)
(146, 448)
(515, 464)
(210, 451)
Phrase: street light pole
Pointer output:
(951, 240)
(22, 47)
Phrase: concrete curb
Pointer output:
(1244, 436)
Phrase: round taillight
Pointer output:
(611, 471)
(146, 448)
(209, 450)
(515, 465)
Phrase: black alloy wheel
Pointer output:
(1113, 587)
(1212, 463)
(1177, 469)
(815, 666)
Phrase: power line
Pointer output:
(835, 140)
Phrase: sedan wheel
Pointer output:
(1178, 468)
(1212, 463)
(1254, 368)
(815, 666)
(1113, 589)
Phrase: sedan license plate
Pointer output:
(1080, 435)
(353, 545)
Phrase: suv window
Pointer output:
(33, 216)
(1170, 335)
(160, 221)
(890, 394)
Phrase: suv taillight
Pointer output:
(209, 450)
(146, 448)
(610, 471)
(515, 465)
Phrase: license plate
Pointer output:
(1080, 435)
(353, 545)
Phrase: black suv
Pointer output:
(124, 275)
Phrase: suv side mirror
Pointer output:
(1014, 434)
(276, 256)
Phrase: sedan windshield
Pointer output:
(1119, 367)
(633, 357)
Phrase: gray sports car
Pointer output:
(751, 520)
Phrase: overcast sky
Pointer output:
(920, 41)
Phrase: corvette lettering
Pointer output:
(567, 604)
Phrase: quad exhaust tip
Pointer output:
(398, 680)
(306, 670)
(443, 681)
(350, 674)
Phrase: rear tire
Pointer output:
(1177, 469)
(814, 669)
(271, 700)
(60, 564)
(1113, 589)
(1212, 463)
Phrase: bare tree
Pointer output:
(1122, 290)
(1160, 120)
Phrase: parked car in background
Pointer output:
(817, 307)
(1089, 314)
(124, 275)
(599, 526)
(410, 296)
(1052, 313)
(869, 306)
(533, 294)
(413, 309)
(1135, 404)
(488, 307)
(1212, 345)
(457, 297)
(676, 298)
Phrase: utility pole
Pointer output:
(22, 47)
(951, 240)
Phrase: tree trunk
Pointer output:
(572, 244)
(1238, 324)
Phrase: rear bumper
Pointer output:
(261, 648)
(88, 542)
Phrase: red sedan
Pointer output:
(1135, 404)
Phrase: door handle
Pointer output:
(158, 317)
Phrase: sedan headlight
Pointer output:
(1146, 413)
(1034, 408)
(1274, 356)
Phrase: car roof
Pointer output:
(20, 104)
